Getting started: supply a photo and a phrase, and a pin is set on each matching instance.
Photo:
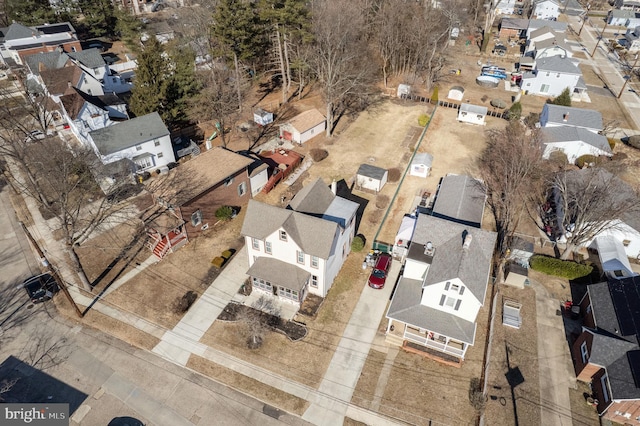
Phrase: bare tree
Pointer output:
(590, 202)
(340, 53)
(512, 172)
(257, 320)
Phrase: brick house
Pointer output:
(18, 41)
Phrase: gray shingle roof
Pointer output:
(313, 235)
(554, 25)
(558, 64)
(17, 31)
(129, 133)
(451, 260)
(515, 23)
(422, 158)
(371, 171)
(542, 30)
(50, 60)
(460, 198)
(90, 58)
(279, 273)
(405, 307)
(580, 117)
(313, 199)
(550, 42)
(574, 134)
(607, 349)
(474, 109)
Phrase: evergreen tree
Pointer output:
(29, 12)
(563, 98)
(149, 90)
(181, 85)
(99, 17)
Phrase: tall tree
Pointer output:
(148, 94)
(512, 172)
(182, 84)
(99, 17)
(29, 12)
(590, 202)
(340, 50)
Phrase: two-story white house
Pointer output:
(543, 43)
(300, 249)
(505, 7)
(85, 113)
(546, 9)
(552, 75)
(443, 286)
(144, 140)
(92, 62)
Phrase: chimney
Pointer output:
(429, 249)
(69, 84)
(334, 187)
(467, 240)
(565, 117)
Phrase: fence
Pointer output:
(449, 104)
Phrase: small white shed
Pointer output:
(262, 117)
(473, 114)
(403, 89)
(456, 93)
(371, 177)
(421, 165)
(304, 126)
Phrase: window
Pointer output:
(315, 261)
(156, 142)
(544, 88)
(255, 243)
(455, 287)
(267, 247)
(138, 147)
(144, 163)
(228, 181)
(626, 243)
(73, 48)
(300, 257)
(287, 293)
(557, 75)
(584, 352)
(262, 284)
(547, 74)
(242, 189)
(283, 235)
(196, 218)
(314, 281)
(450, 302)
(160, 154)
(605, 389)
(589, 309)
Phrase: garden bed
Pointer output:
(235, 312)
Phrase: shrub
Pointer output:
(318, 154)
(612, 143)
(559, 268)
(224, 213)
(515, 112)
(634, 141)
(423, 120)
(382, 201)
(434, 96)
(586, 159)
(183, 303)
(476, 398)
(393, 175)
(558, 157)
(563, 98)
(532, 119)
(357, 244)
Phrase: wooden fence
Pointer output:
(450, 104)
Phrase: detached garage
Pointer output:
(371, 177)
(473, 114)
(304, 126)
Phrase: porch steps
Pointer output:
(392, 339)
(161, 249)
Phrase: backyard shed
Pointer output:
(421, 164)
(262, 117)
(403, 89)
(456, 93)
(371, 177)
(473, 114)
(303, 126)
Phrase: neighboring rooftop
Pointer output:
(129, 133)
(573, 134)
(460, 198)
(306, 120)
(571, 116)
(558, 64)
(373, 172)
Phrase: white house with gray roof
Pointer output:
(443, 287)
(559, 115)
(546, 9)
(144, 140)
(574, 142)
(552, 75)
(300, 249)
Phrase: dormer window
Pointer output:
(283, 235)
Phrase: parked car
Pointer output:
(41, 288)
(34, 135)
(379, 274)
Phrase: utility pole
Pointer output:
(52, 270)
(585, 18)
(628, 77)
(600, 38)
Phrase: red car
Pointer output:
(379, 274)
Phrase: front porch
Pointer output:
(400, 334)
(280, 280)
(166, 233)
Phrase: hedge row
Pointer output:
(560, 268)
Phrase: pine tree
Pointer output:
(563, 98)
(149, 90)
(29, 12)
(181, 85)
(99, 17)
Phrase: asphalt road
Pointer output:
(56, 360)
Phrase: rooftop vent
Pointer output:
(565, 116)
(429, 249)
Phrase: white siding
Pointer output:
(573, 150)
(415, 270)
(165, 148)
(469, 304)
(623, 233)
(259, 181)
(555, 83)
(313, 132)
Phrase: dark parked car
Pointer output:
(41, 288)
(379, 274)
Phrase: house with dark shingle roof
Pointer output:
(560, 115)
(144, 140)
(461, 199)
(20, 41)
(574, 142)
(443, 286)
(85, 113)
(606, 354)
(299, 250)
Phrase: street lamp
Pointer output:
(628, 77)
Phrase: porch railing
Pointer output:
(434, 344)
